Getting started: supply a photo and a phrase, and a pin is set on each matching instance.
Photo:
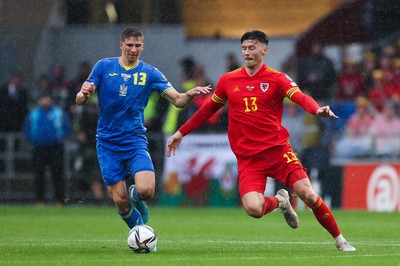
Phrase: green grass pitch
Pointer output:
(80, 235)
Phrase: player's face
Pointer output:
(131, 49)
(253, 52)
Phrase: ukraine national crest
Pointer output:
(123, 90)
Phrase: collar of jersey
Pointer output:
(127, 67)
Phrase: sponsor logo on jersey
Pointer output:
(250, 88)
(113, 74)
(126, 76)
(264, 86)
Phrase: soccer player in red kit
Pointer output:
(255, 94)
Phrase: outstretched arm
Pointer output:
(311, 106)
(173, 143)
(181, 100)
(325, 111)
(84, 94)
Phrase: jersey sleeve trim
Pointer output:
(292, 91)
(217, 99)
(165, 91)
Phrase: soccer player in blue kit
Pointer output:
(123, 85)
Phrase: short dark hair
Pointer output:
(131, 32)
(255, 35)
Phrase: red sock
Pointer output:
(270, 204)
(325, 217)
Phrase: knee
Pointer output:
(122, 202)
(253, 211)
(146, 192)
(308, 196)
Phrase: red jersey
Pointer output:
(255, 108)
(350, 86)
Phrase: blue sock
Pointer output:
(132, 217)
(135, 195)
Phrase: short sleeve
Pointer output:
(95, 75)
(160, 82)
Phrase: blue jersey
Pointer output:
(123, 94)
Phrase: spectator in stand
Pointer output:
(385, 65)
(188, 83)
(350, 85)
(13, 104)
(59, 84)
(199, 75)
(87, 145)
(397, 46)
(155, 115)
(231, 62)
(317, 74)
(350, 82)
(377, 94)
(47, 126)
(357, 139)
(369, 64)
(42, 87)
(389, 50)
(75, 85)
(386, 132)
(293, 121)
(290, 66)
(316, 152)
(394, 86)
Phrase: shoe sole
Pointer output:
(289, 214)
(346, 248)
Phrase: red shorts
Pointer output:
(280, 162)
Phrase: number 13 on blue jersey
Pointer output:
(139, 78)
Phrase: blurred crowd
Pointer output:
(48, 116)
(365, 94)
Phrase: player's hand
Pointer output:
(199, 90)
(173, 143)
(87, 89)
(325, 111)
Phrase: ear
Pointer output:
(265, 50)
(121, 44)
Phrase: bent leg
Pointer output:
(142, 190)
(119, 195)
(256, 205)
(145, 182)
(126, 210)
(307, 194)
